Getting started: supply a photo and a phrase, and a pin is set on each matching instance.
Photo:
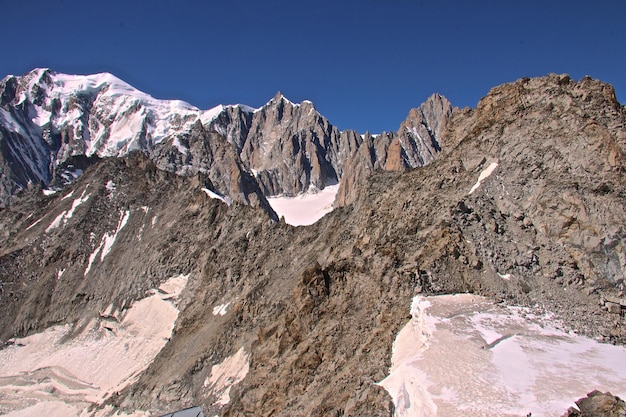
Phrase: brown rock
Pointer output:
(598, 404)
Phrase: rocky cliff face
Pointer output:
(415, 144)
(292, 147)
(528, 186)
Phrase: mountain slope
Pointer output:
(524, 204)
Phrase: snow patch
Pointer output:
(56, 222)
(11, 124)
(69, 195)
(226, 374)
(64, 216)
(208, 116)
(108, 240)
(307, 208)
(216, 196)
(181, 148)
(485, 173)
(406, 383)
(34, 224)
(220, 309)
(106, 244)
(63, 371)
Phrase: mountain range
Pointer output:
(54, 125)
(117, 206)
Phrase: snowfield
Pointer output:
(461, 355)
(307, 208)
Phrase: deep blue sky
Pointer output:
(363, 63)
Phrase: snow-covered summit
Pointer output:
(106, 114)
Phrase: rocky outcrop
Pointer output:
(598, 404)
(291, 147)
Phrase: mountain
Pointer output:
(52, 126)
(521, 200)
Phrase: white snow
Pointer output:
(226, 374)
(406, 383)
(307, 208)
(216, 196)
(34, 224)
(133, 114)
(69, 195)
(181, 148)
(10, 123)
(65, 215)
(65, 369)
(93, 257)
(245, 108)
(42, 117)
(220, 309)
(484, 174)
(208, 116)
(106, 244)
(108, 240)
(77, 203)
(57, 221)
(463, 355)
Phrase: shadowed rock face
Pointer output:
(317, 308)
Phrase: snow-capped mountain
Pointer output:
(51, 121)
(51, 124)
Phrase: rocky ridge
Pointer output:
(524, 204)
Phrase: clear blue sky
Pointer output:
(363, 63)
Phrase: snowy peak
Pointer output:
(208, 116)
(95, 114)
(50, 120)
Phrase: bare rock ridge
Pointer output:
(528, 186)
(48, 120)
